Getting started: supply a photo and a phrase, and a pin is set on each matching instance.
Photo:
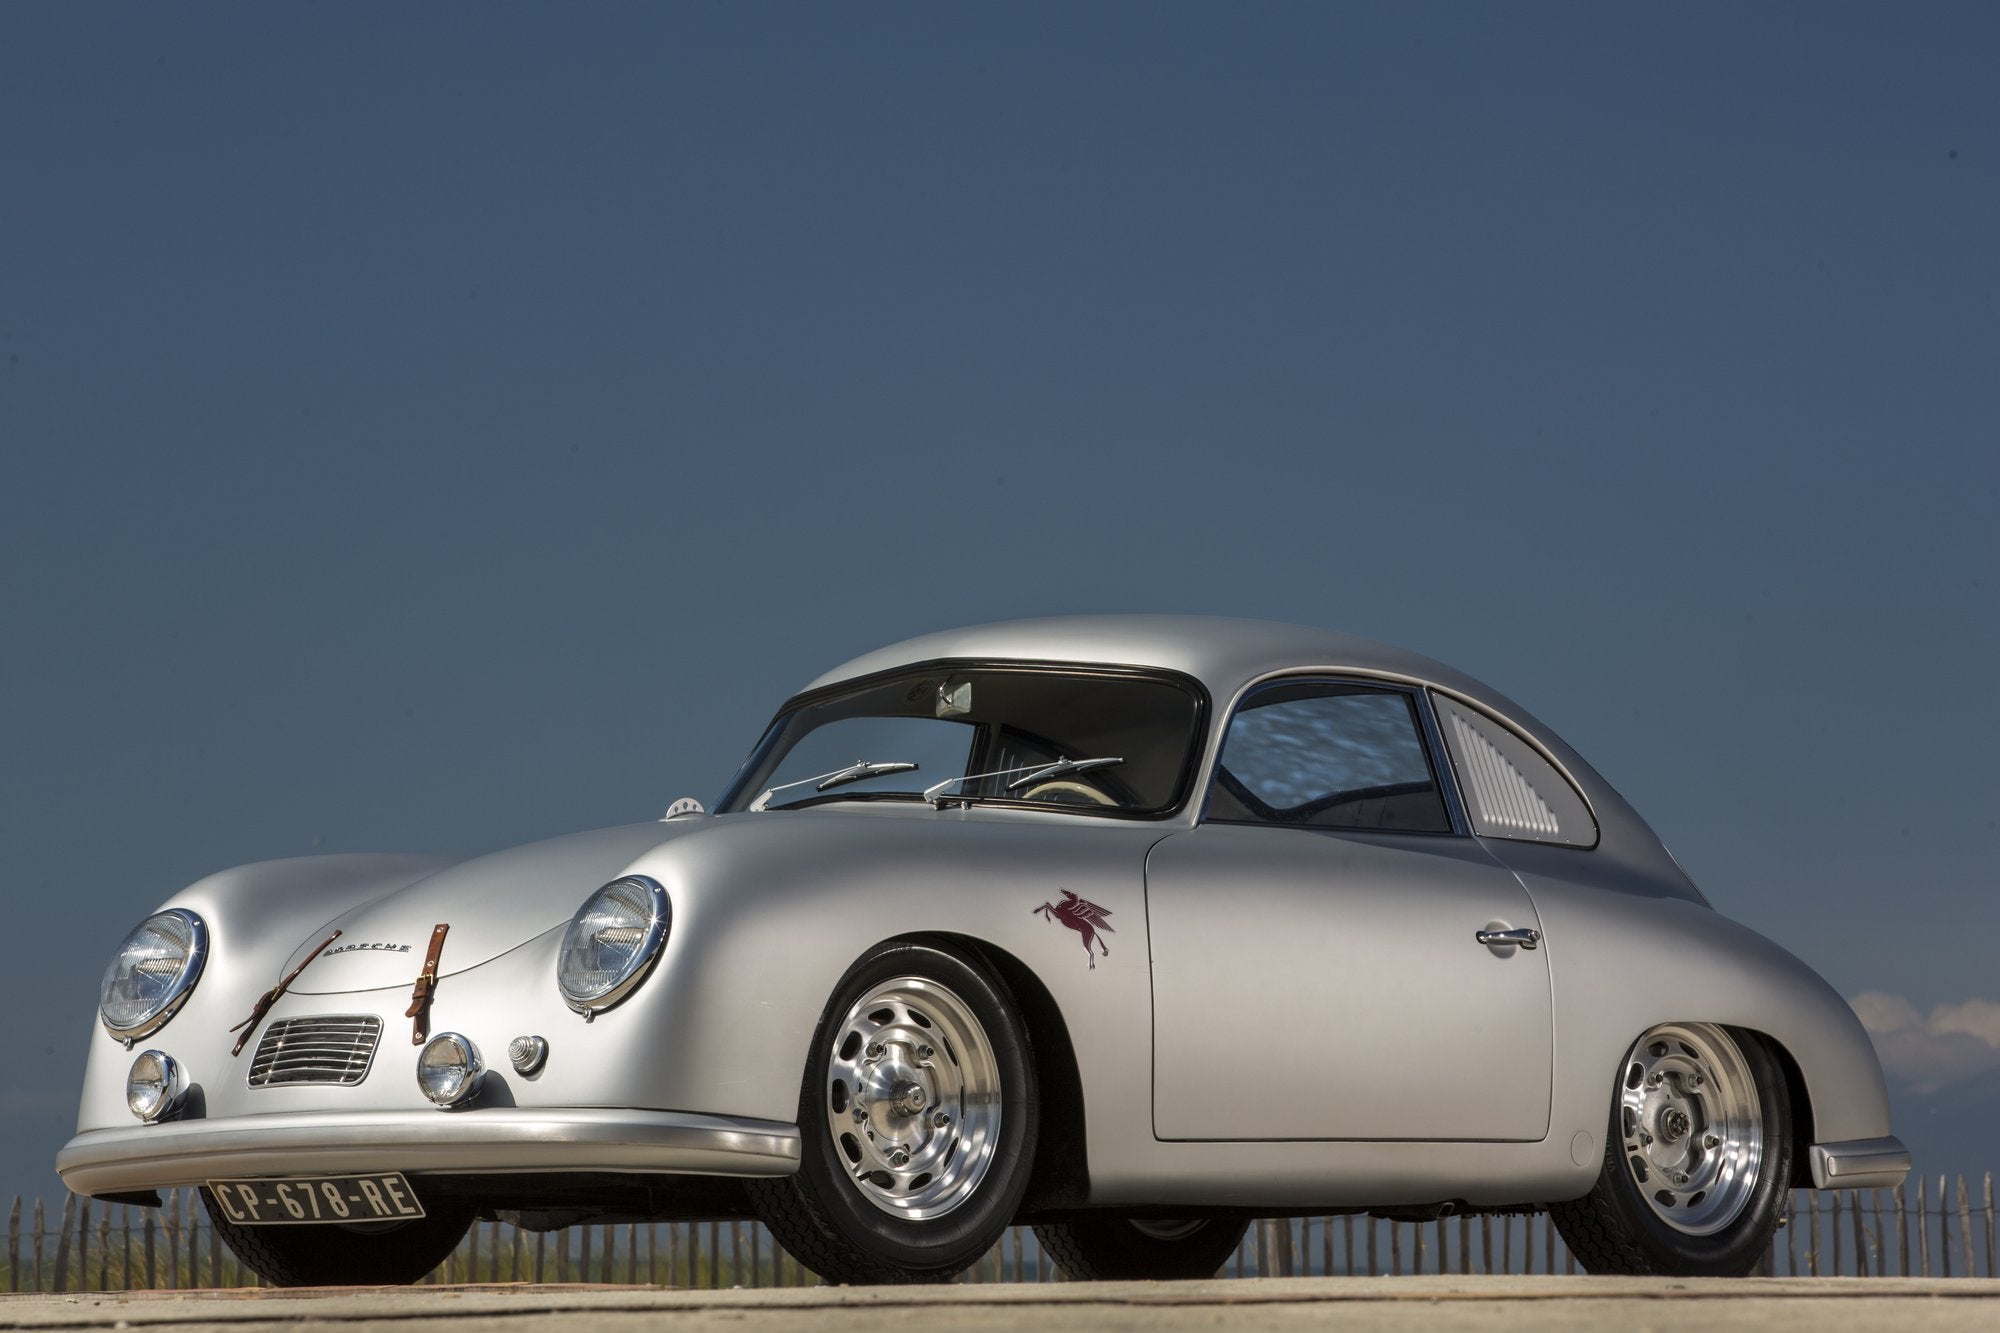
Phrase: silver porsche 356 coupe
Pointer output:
(1130, 927)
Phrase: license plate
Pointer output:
(306, 1199)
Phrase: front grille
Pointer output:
(335, 1049)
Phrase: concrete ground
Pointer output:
(1630, 1305)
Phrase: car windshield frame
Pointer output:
(763, 761)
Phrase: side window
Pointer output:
(1324, 755)
(1510, 790)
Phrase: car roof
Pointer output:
(1222, 652)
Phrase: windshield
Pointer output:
(1120, 742)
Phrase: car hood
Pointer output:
(491, 904)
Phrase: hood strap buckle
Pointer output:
(426, 987)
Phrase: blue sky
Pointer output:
(437, 429)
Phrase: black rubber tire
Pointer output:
(821, 1218)
(338, 1256)
(1108, 1247)
(1612, 1229)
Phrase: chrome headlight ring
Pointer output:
(449, 1070)
(155, 1087)
(152, 974)
(612, 943)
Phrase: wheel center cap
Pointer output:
(1674, 1124)
(910, 1099)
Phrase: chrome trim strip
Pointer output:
(1860, 1164)
(499, 1141)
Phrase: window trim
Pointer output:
(1429, 738)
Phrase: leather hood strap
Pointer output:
(426, 987)
(248, 1027)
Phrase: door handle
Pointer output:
(1526, 936)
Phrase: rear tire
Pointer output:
(1697, 1159)
(339, 1256)
(1096, 1247)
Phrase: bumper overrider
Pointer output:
(497, 1141)
(1860, 1164)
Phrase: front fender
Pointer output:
(771, 910)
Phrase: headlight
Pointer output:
(449, 1070)
(611, 942)
(153, 972)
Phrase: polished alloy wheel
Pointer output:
(913, 1098)
(1692, 1126)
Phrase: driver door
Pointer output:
(1316, 971)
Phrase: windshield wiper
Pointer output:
(840, 777)
(935, 793)
(1060, 767)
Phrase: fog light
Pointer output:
(449, 1070)
(154, 1087)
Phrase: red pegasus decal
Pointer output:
(1084, 917)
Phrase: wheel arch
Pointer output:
(1061, 1173)
(1799, 1095)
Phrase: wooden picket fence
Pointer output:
(90, 1246)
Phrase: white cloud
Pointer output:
(1952, 1043)
(1978, 1018)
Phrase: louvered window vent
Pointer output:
(1507, 801)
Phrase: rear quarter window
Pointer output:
(1510, 790)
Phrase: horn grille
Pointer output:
(333, 1049)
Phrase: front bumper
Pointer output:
(1860, 1164)
(498, 1141)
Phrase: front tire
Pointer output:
(1110, 1247)
(916, 1121)
(1697, 1160)
(340, 1256)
